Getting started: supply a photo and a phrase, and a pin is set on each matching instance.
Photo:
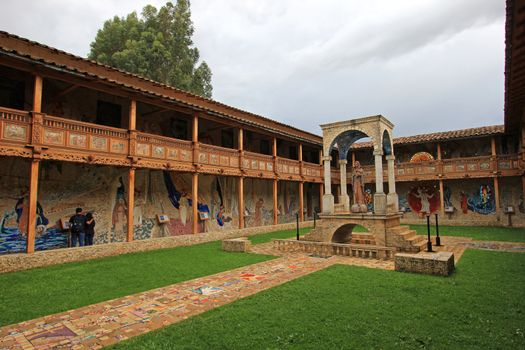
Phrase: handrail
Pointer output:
(75, 125)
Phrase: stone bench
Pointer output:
(439, 263)
(241, 244)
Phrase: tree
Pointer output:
(158, 45)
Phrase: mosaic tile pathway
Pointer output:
(106, 323)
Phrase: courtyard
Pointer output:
(201, 297)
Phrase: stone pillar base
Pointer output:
(345, 200)
(328, 203)
(392, 203)
(380, 203)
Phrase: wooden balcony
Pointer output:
(27, 134)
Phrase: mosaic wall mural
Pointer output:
(103, 191)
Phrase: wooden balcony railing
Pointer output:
(66, 133)
(15, 126)
(312, 169)
(161, 147)
(257, 162)
(218, 156)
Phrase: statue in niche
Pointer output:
(358, 187)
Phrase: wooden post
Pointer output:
(300, 158)
(438, 151)
(131, 203)
(37, 94)
(241, 179)
(353, 159)
(301, 201)
(195, 201)
(442, 197)
(493, 146)
(241, 202)
(496, 193)
(275, 202)
(274, 147)
(195, 129)
(31, 207)
(132, 115)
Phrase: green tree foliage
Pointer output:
(157, 45)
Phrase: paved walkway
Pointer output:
(106, 323)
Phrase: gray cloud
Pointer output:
(427, 65)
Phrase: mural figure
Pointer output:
(447, 196)
(183, 207)
(22, 214)
(463, 200)
(119, 217)
(137, 210)
(423, 200)
(483, 202)
(259, 212)
(421, 157)
(358, 187)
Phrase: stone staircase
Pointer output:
(407, 240)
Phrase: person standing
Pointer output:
(90, 228)
(78, 228)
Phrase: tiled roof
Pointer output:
(442, 136)
(50, 56)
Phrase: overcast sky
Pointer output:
(427, 65)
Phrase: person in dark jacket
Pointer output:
(90, 228)
(78, 228)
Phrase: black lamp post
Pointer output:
(438, 240)
(429, 242)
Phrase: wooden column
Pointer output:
(131, 203)
(496, 193)
(241, 202)
(37, 94)
(195, 139)
(31, 206)
(275, 202)
(442, 197)
(438, 151)
(353, 159)
(33, 174)
(301, 201)
(496, 180)
(241, 179)
(195, 201)
(132, 115)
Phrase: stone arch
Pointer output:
(331, 136)
(343, 233)
(346, 139)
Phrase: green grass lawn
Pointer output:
(483, 233)
(28, 294)
(482, 306)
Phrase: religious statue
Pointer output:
(358, 186)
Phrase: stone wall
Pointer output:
(22, 261)
(440, 263)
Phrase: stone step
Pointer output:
(399, 229)
(415, 239)
(407, 234)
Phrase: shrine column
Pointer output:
(343, 199)
(441, 186)
(392, 199)
(241, 179)
(328, 197)
(131, 203)
(379, 196)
